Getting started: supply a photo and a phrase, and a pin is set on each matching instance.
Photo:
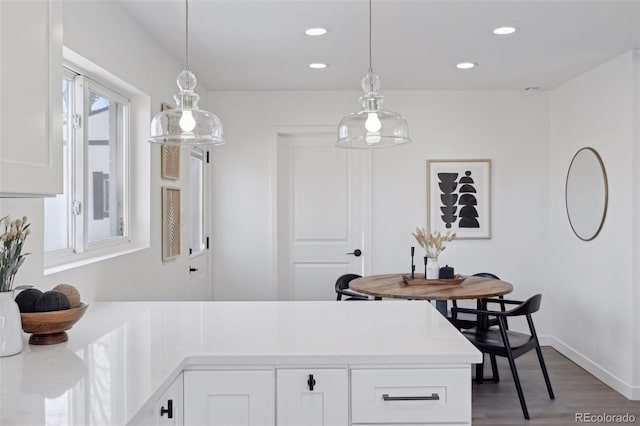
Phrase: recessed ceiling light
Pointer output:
(466, 65)
(317, 65)
(504, 30)
(316, 31)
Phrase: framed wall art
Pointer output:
(170, 156)
(459, 197)
(170, 223)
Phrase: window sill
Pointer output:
(77, 260)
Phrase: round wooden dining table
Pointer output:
(465, 287)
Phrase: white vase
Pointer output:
(433, 268)
(11, 339)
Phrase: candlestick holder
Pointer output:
(425, 267)
(413, 266)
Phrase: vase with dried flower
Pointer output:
(11, 258)
(433, 245)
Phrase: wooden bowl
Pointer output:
(48, 328)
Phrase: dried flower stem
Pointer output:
(11, 242)
(433, 244)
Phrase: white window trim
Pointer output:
(82, 242)
(137, 170)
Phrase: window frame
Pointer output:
(134, 106)
(83, 86)
(69, 75)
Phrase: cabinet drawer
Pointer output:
(411, 396)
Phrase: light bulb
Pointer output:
(187, 122)
(373, 123)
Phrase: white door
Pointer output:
(229, 398)
(323, 214)
(199, 287)
(312, 397)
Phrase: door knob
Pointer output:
(356, 252)
(193, 269)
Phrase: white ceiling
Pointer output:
(260, 44)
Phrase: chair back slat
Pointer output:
(486, 275)
(529, 306)
(343, 281)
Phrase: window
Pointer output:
(92, 213)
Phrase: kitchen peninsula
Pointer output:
(363, 362)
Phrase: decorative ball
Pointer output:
(51, 301)
(26, 299)
(71, 292)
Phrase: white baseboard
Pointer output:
(622, 387)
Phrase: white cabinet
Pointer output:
(312, 397)
(315, 397)
(401, 396)
(30, 98)
(167, 410)
(229, 398)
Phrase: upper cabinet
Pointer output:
(31, 140)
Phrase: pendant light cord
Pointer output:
(186, 32)
(370, 55)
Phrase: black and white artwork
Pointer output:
(459, 197)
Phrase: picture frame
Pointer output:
(170, 223)
(170, 156)
(459, 198)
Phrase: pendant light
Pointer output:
(372, 126)
(186, 125)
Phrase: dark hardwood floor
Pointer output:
(576, 391)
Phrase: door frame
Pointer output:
(366, 159)
(207, 211)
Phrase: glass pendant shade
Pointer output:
(186, 125)
(372, 126)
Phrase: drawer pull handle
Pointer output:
(433, 397)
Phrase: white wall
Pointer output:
(593, 286)
(635, 257)
(105, 35)
(510, 128)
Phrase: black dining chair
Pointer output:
(464, 321)
(507, 343)
(342, 288)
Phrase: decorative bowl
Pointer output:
(48, 328)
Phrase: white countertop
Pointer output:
(120, 354)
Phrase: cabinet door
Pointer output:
(30, 97)
(169, 407)
(309, 397)
(161, 412)
(229, 398)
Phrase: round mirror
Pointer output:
(586, 194)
